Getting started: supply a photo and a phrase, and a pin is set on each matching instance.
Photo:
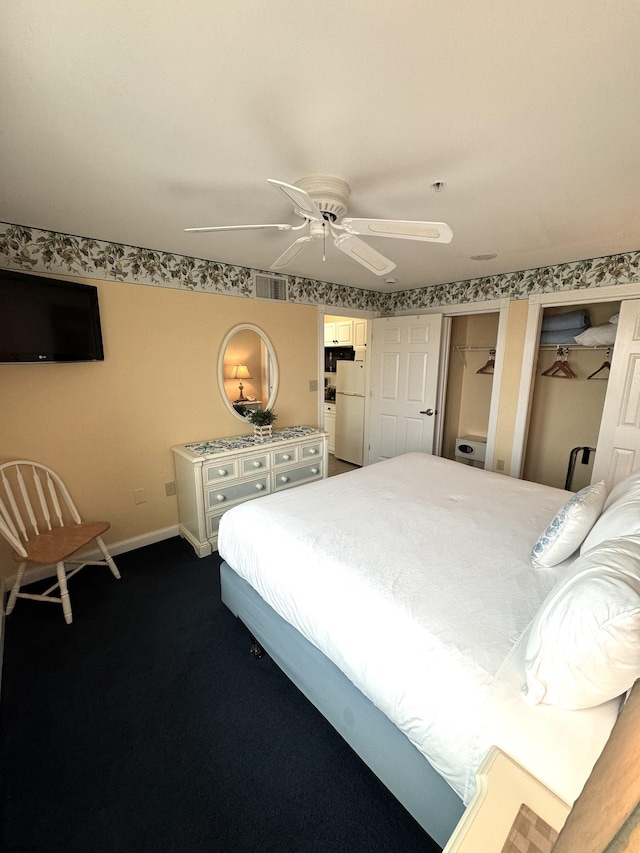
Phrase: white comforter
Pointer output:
(413, 576)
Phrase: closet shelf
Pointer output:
(575, 347)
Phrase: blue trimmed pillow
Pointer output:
(567, 531)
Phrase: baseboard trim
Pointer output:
(42, 572)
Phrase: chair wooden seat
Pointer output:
(41, 523)
(60, 543)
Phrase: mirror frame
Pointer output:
(274, 376)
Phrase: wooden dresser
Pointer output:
(212, 476)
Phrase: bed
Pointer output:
(402, 600)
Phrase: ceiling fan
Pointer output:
(321, 201)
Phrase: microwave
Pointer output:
(335, 354)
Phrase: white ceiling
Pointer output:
(129, 120)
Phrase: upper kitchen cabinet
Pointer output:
(338, 333)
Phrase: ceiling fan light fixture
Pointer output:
(330, 195)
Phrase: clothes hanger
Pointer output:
(564, 371)
(606, 365)
(560, 367)
(489, 366)
(556, 364)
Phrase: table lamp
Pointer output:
(240, 371)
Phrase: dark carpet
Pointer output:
(146, 725)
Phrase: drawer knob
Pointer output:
(313, 451)
(257, 464)
(220, 497)
(286, 457)
(222, 472)
(259, 486)
(314, 470)
(284, 479)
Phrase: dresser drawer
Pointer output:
(224, 470)
(312, 451)
(295, 476)
(255, 464)
(233, 492)
(285, 457)
(213, 523)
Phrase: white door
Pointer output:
(404, 384)
(618, 448)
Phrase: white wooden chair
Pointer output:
(41, 523)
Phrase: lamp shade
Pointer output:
(240, 371)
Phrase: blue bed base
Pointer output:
(378, 742)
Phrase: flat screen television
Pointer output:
(46, 320)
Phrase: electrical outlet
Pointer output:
(313, 385)
(140, 496)
(499, 464)
(170, 488)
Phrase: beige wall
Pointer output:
(107, 427)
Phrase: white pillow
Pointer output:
(566, 532)
(628, 488)
(583, 647)
(597, 335)
(620, 518)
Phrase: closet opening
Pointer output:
(569, 388)
(469, 386)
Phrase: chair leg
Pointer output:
(13, 595)
(64, 593)
(108, 557)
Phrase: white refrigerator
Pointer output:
(350, 393)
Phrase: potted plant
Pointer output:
(262, 420)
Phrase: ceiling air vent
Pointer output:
(270, 287)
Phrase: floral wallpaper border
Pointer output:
(32, 249)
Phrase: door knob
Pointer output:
(429, 412)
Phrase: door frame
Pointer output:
(354, 314)
(537, 303)
(492, 306)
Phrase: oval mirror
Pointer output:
(247, 370)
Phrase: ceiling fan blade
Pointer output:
(437, 232)
(301, 200)
(289, 254)
(280, 227)
(364, 254)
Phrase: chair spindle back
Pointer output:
(35, 499)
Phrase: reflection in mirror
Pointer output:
(247, 370)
